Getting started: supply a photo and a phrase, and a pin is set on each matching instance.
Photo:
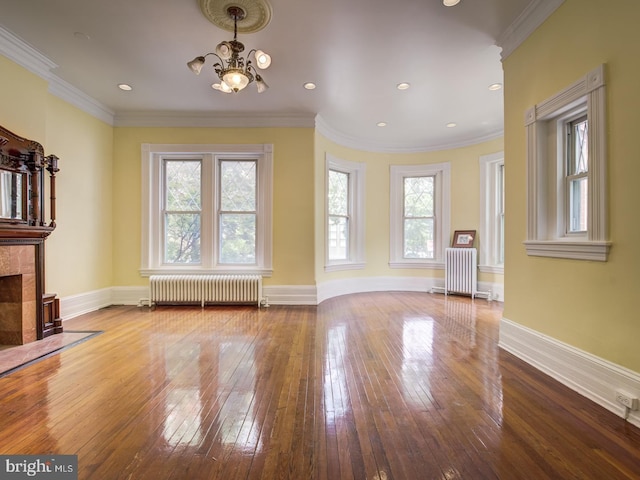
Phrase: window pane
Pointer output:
(182, 238)
(238, 186)
(578, 205)
(418, 196)
(238, 238)
(182, 211)
(183, 185)
(418, 238)
(579, 156)
(338, 193)
(338, 238)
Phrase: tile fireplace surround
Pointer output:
(18, 294)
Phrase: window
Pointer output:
(576, 174)
(206, 208)
(345, 214)
(491, 234)
(419, 215)
(566, 173)
(338, 215)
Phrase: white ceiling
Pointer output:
(356, 51)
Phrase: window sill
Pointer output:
(434, 265)
(597, 251)
(491, 269)
(205, 271)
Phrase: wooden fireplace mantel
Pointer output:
(27, 313)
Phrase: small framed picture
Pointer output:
(463, 238)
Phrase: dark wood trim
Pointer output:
(23, 160)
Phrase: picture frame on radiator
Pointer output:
(463, 238)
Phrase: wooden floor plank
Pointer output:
(378, 386)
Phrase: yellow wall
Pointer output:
(78, 252)
(590, 305)
(22, 99)
(292, 201)
(465, 208)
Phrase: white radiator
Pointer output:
(205, 289)
(461, 271)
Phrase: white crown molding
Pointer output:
(219, 119)
(591, 376)
(18, 51)
(525, 24)
(344, 140)
(70, 94)
(25, 55)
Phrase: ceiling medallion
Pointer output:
(257, 14)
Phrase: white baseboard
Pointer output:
(75, 305)
(345, 286)
(82, 303)
(496, 289)
(591, 376)
(290, 294)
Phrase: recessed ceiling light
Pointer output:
(125, 87)
(451, 125)
(450, 3)
(309, 85)
(381, 124)
(403, 86)
(495, 86)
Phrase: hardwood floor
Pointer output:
(373, 386)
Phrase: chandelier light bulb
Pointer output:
(235, 79)
(263, 60)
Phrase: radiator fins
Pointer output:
(460, 271)
(205, 289)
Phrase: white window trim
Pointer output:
(442, 172)
(152, 156)
(542, 238)
(356, 171)
(488, 197)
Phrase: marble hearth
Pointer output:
(18, 293)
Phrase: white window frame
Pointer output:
(356, 247)
(489, 244)
(442, 174)
(152, 191)
(546, 189)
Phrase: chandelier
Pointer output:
(234, 71)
